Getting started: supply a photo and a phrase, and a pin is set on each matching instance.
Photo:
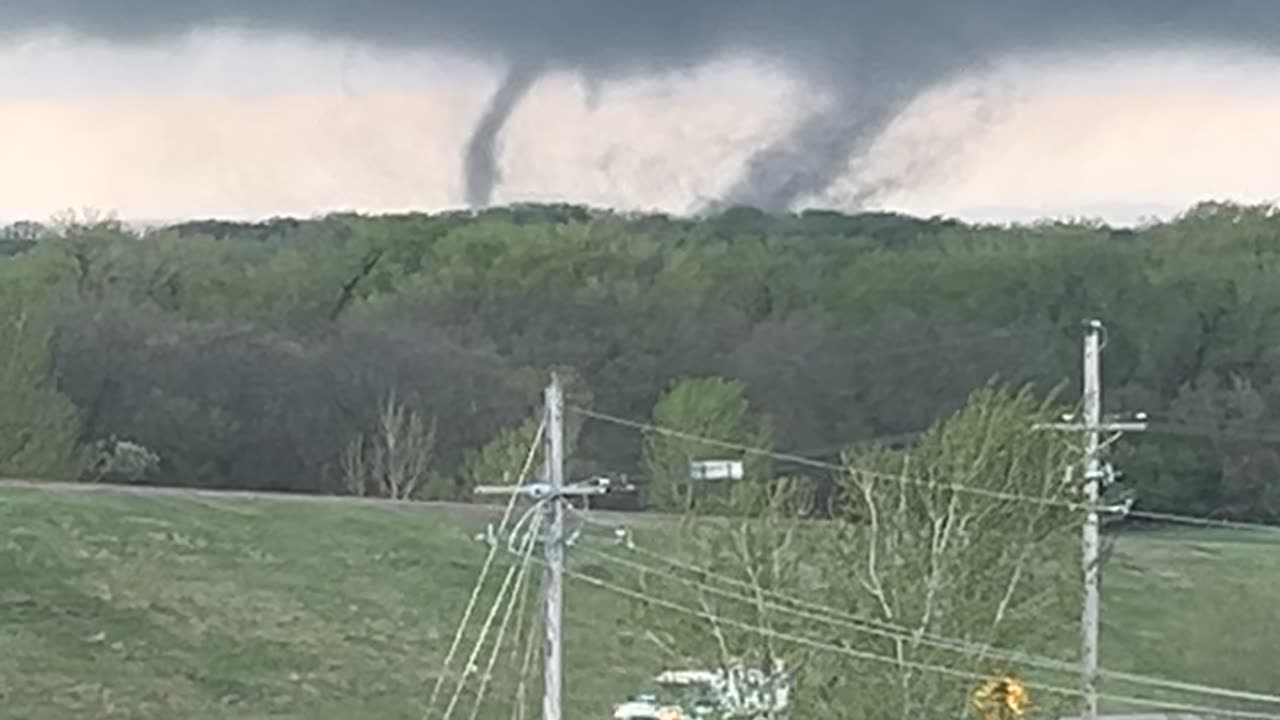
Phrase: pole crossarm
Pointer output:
(1120, 427)
(541, 491)
(1125, 427)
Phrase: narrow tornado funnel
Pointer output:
(480, 163)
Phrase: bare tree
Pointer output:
(956, 555)
(393, 460)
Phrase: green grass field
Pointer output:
(1197, 605)
(127, 605)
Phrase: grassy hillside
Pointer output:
(146, 606)
(162, 607)
(1201, 606)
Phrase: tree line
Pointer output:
(404, 355)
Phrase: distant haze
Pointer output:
(250, 124)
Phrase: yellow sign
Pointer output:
(1002, 698)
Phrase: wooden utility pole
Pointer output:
(1091, 541)
(553, 582)
(552, 493)
(1097, 474)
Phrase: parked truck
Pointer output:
(732, 693)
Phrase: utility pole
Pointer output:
(1096, 474)
(1091, 542)
(551, 494)
(553, 582)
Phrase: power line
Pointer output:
(515, 572)
(1092, 695)
(518, 596)
(822, 464)
(901, 438)
(891, 439)
(906, 479)
(1233, 430)
(832, 616)
(484, 573)
(1205, 522)
(519, 704)
(908, 664)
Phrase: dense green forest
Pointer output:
(288, 354)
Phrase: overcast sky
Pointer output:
(249, 125)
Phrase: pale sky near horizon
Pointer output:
(250, 127)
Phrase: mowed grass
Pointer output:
(1200, 606)
(131, 605)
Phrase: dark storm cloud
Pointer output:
(874, 56)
